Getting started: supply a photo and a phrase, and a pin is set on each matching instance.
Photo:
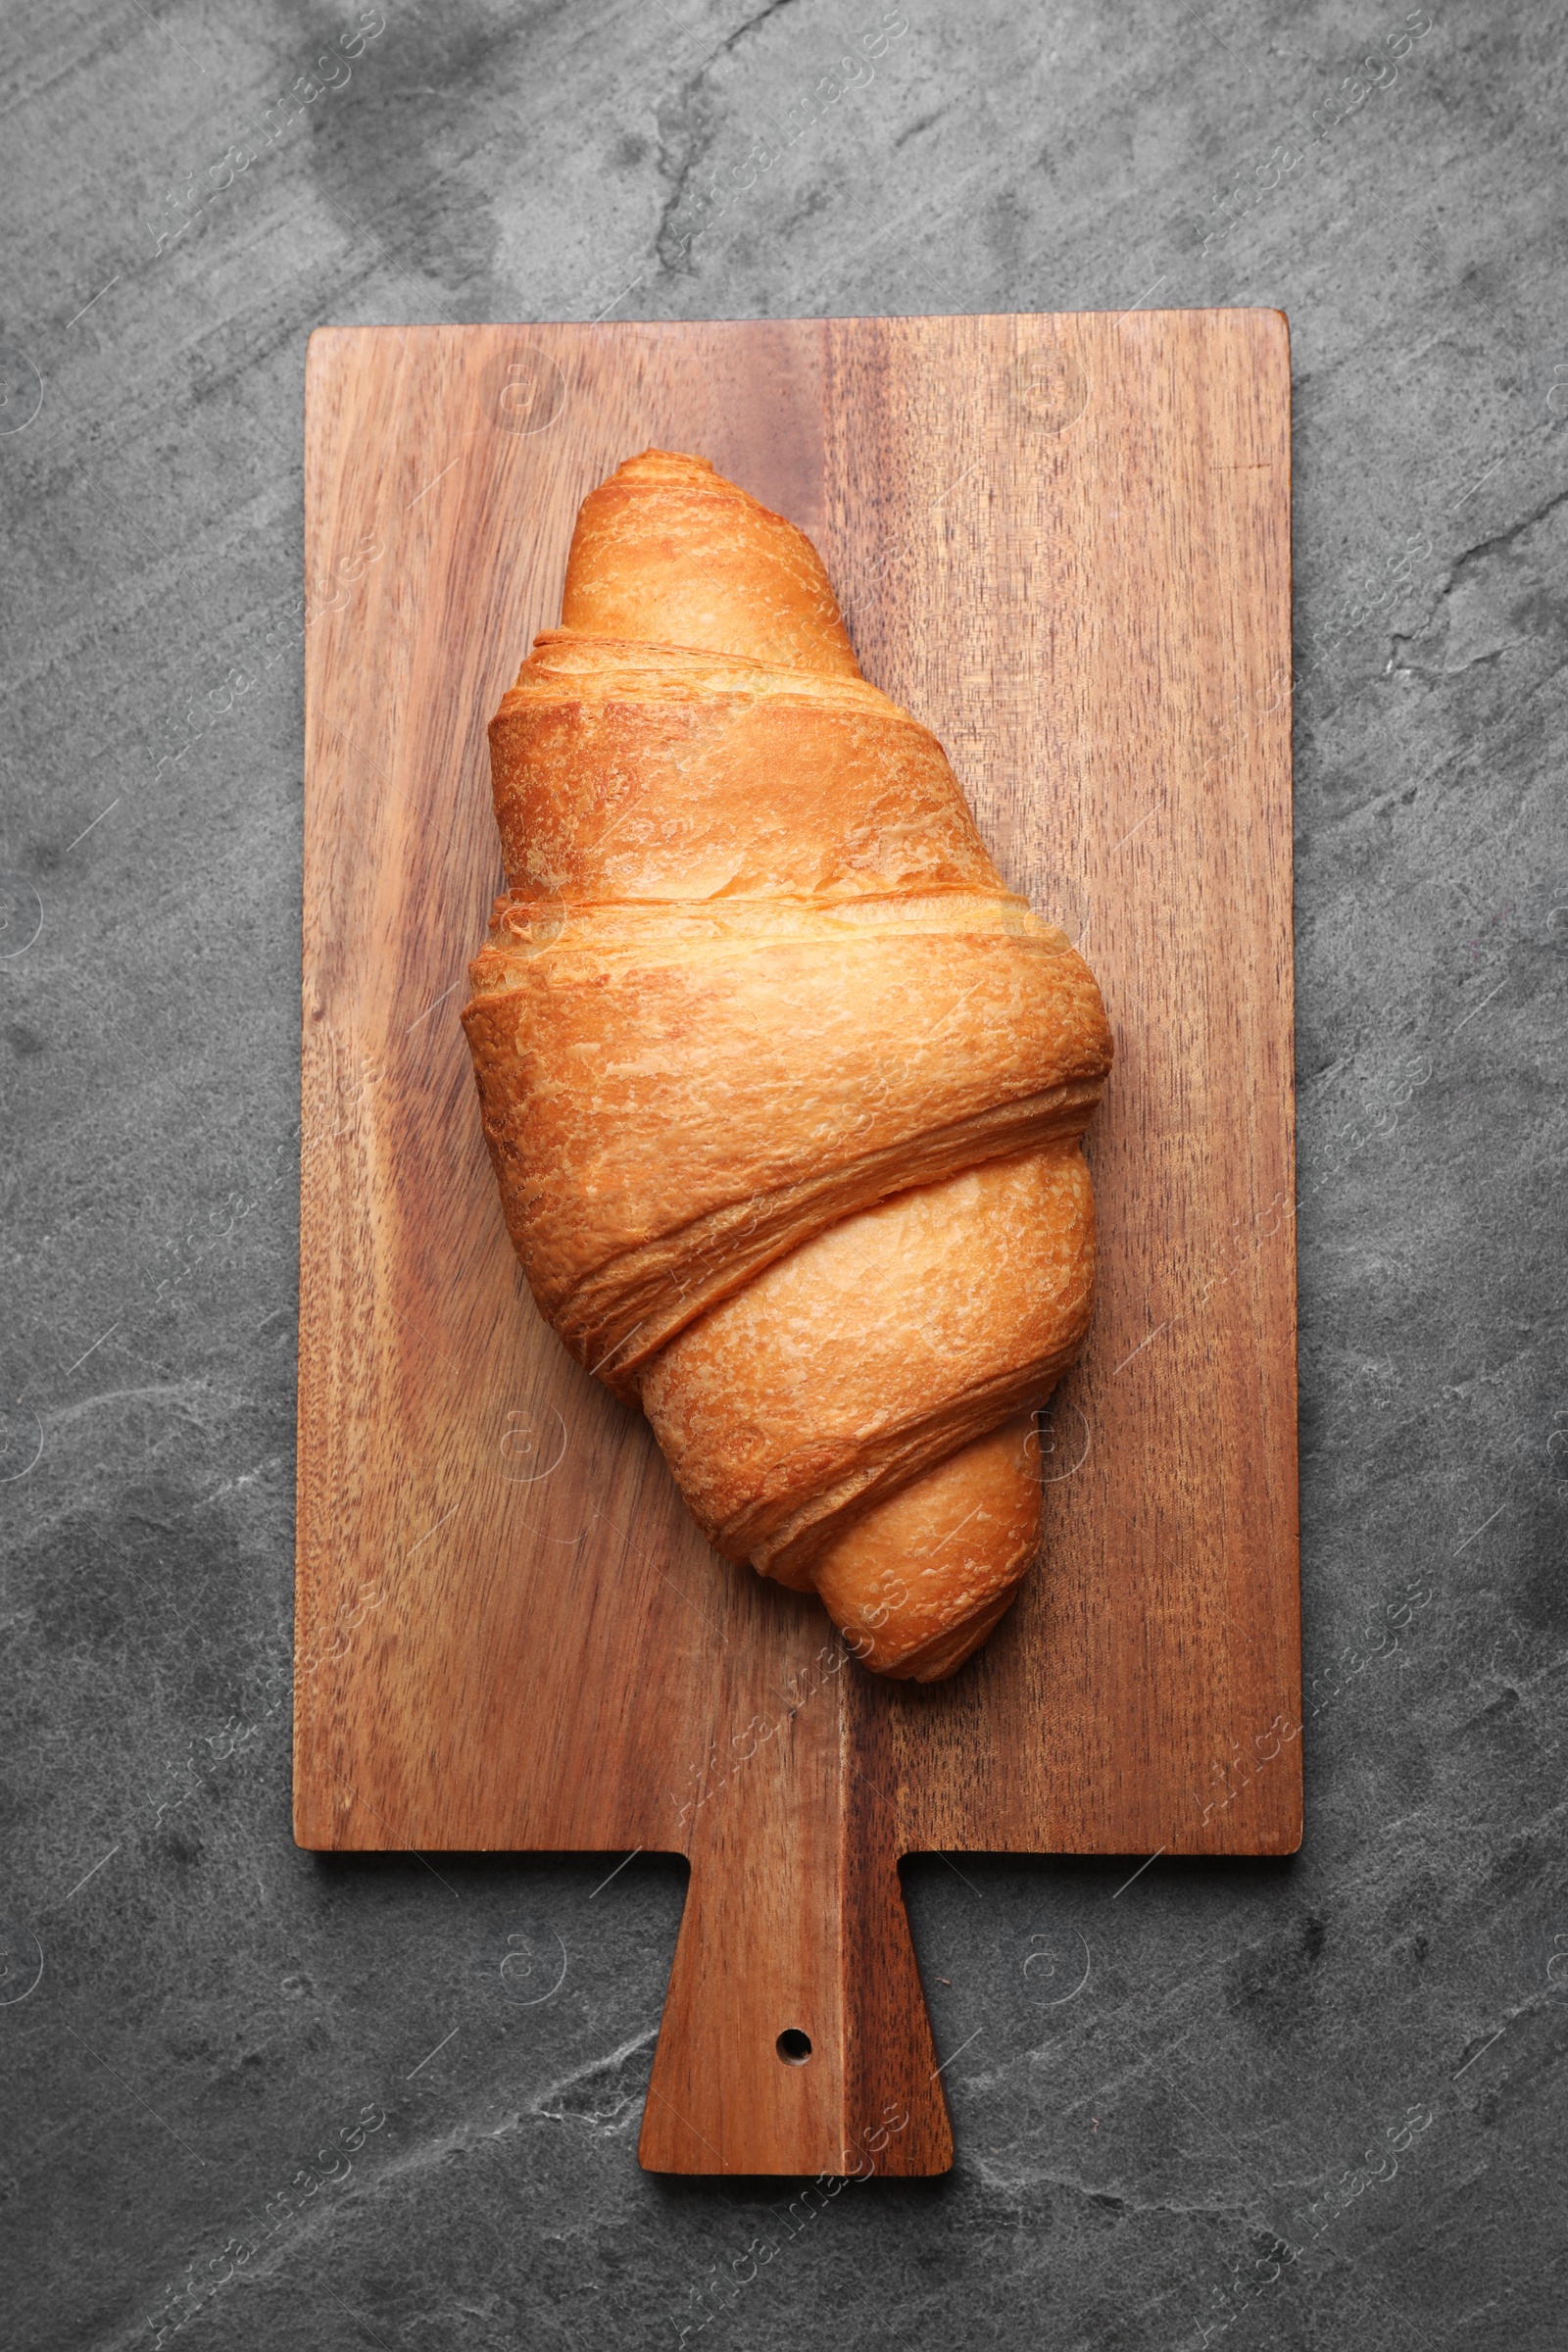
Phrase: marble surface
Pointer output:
(264, 2099)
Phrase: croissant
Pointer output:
(783, 1087)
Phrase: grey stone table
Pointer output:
(271, 2100)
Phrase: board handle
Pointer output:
(795, 2037)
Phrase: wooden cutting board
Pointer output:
(1063, 543)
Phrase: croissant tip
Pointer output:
(654, 465)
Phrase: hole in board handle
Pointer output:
(793, 2046)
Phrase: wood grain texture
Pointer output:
(1063, 542)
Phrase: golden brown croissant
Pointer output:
(782, 1085)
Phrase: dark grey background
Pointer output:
(1358, 2049)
